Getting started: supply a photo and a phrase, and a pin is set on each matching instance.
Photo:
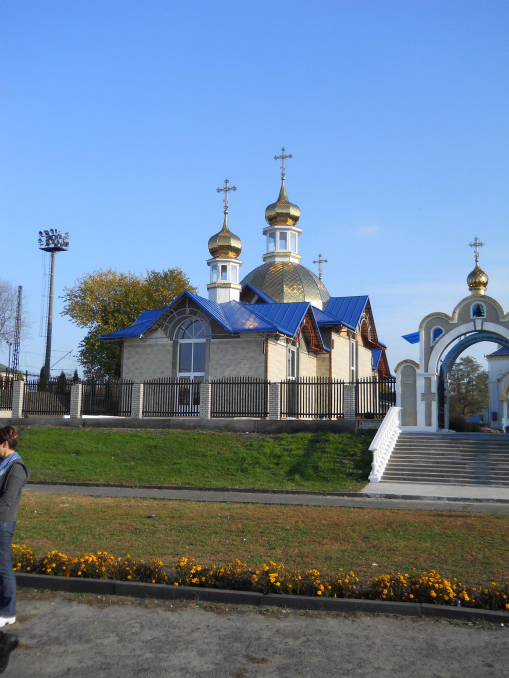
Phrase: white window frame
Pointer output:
(437, 327)
(476, 317)
(354, 362)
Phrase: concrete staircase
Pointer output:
(450, 458)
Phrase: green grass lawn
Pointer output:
(471, 546)
(303, 461)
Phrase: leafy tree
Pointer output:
(107, 300)
(468, 388)
(75, 377)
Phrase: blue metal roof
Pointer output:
(347, 310)
(412, 338)
(377, 354)
(143, 323)
(501, 351)
(324, 318)
(264, 297)
(242, 319)
(285, 318)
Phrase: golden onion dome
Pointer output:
(285, 282)
(225, 244)
(282, 212)
(477, 280)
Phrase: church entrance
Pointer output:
(191, 364)
(423, 388)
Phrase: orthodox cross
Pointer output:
(227, 188)
(320, 261)
(283, 158)
(477, 243)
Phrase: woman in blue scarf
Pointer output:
(13, 477)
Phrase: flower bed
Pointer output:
(414, 587)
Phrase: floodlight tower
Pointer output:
(52, 241)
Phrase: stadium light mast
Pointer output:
(52, 241)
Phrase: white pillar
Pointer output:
(137, 401)
(205, 400)
(18, 393)
(76, 392)
(349, 404)
(274, 400)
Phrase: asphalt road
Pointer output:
(81, 636)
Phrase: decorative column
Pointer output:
(205, 400)
(274, 400)
(76, 392)
(349, 402)
(18, 393)
(137, 401)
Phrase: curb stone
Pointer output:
(167, 592)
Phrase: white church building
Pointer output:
(277, 322)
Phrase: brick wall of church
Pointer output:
(364, 368)
(340, 358)
(277, 361)
(242, 357)
(307, 364)
(146, 360)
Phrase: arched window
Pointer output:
(436, 332)
(478, 311)
(192, 328)
(192, 348)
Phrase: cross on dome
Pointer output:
(283, 158)
(477, 243)
(320, 261)
(227, 188)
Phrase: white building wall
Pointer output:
(243, 357)
(144, 360)
(365, 366)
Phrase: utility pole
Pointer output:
(52, 241)
(17, 334)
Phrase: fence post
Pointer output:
(274, 400)
(137, 401)
(349, 408)
(18, 393)
(205, 400)
(76, 391)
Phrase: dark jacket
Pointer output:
(11, 486)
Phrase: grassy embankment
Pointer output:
(472, 547)
(304, 461)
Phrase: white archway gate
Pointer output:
(422, 388)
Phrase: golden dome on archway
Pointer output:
(477, 280)
(225, 244)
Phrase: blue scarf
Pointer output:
(6, 463)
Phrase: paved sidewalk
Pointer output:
(486, 492)
(361, 500)
(106, 638)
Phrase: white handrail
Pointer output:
(384, 443)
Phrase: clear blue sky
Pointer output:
(119, 119)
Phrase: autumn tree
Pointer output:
(107, 300)
(468, 388)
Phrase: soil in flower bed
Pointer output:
(304, 461)
(472, 547)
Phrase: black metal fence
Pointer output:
(374, 397)
(6, 394)
(47, 397)
(109, 397)
(171, 398)
(239, 397)
(312, 398)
